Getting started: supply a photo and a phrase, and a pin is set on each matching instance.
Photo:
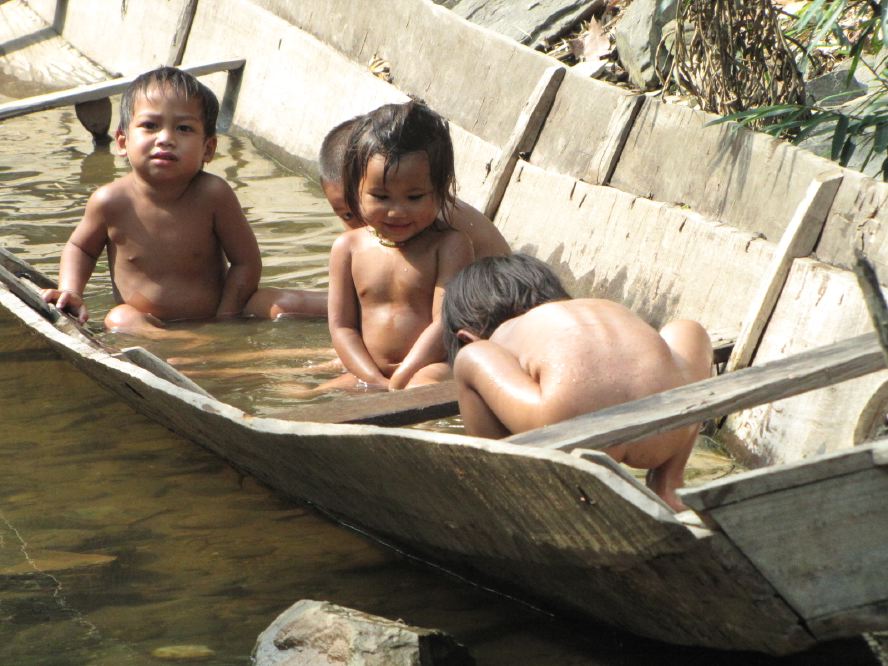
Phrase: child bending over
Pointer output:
(486, 238)
(387, 275)
(526, 355)
(179, 246)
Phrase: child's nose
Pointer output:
(165, 135)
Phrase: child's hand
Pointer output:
(67, 300)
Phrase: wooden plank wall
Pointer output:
(126, 38)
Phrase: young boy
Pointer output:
(525, 355)
(179, 246)
(486, 239)
(387, 274)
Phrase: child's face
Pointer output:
(165, 140)
(336, 198)
(402, 204)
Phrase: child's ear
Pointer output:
(120, 139)
(466, 337)
(210, 148)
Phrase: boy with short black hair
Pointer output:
(179, 246)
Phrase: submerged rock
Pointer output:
(183, 653)
(318, 633)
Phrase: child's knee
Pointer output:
(127, 318)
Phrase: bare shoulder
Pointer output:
(208, 184)
(347, 240)
(486, 238)
(114, 193)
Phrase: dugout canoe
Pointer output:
(654, 208)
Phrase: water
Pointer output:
(118, 538)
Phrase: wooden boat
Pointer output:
(750, 240)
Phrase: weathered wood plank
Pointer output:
(837, 527)
(741, 487)
(99, 90)
(712, 397)
(798, 240)
(28, 295)
(180, 38)
(23, 269)
(527, 130)
(873, 297)
(819, 305)
(148, 361)
(395, 408)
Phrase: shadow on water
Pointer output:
(118, 538)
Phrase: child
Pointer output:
(486, 239)
(179, 246)
(387, 275)
(525, 355)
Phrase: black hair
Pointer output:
(331, 158)
(395, 130)
(179, 82)
(492, 290)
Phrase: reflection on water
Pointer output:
(118, 538)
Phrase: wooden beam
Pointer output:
(873, 297)
(524, 136)
(798, 241)
(154, 364)
(713, 397)
(180, 38)
(393, 408)
(94, 91)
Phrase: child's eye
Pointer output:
(415, 197)
(147, 124)
(379, 197)
(185, 128)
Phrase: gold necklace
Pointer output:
(385, 242)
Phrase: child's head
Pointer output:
(491, 291)
(394, 132)
(173, 82)
(331, 159)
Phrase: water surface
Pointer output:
(118, 538)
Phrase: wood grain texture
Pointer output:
(661, 261)
(798, 240)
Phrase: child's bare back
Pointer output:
(525, 356)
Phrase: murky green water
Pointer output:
(118, 538)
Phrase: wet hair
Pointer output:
(492, 290)
(393, 131)
(332, 155)
(179, 82)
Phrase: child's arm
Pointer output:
(496, 396)
(454, 253)
(80, 254)
(241, 249)
(343, 317)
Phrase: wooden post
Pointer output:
(524, 136)
(180, 38)
(873, 297)
(798, 241)
(95, 116)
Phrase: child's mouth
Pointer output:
(164, 157)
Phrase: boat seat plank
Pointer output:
(101, 90)
(395, 408)
(713, 397)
